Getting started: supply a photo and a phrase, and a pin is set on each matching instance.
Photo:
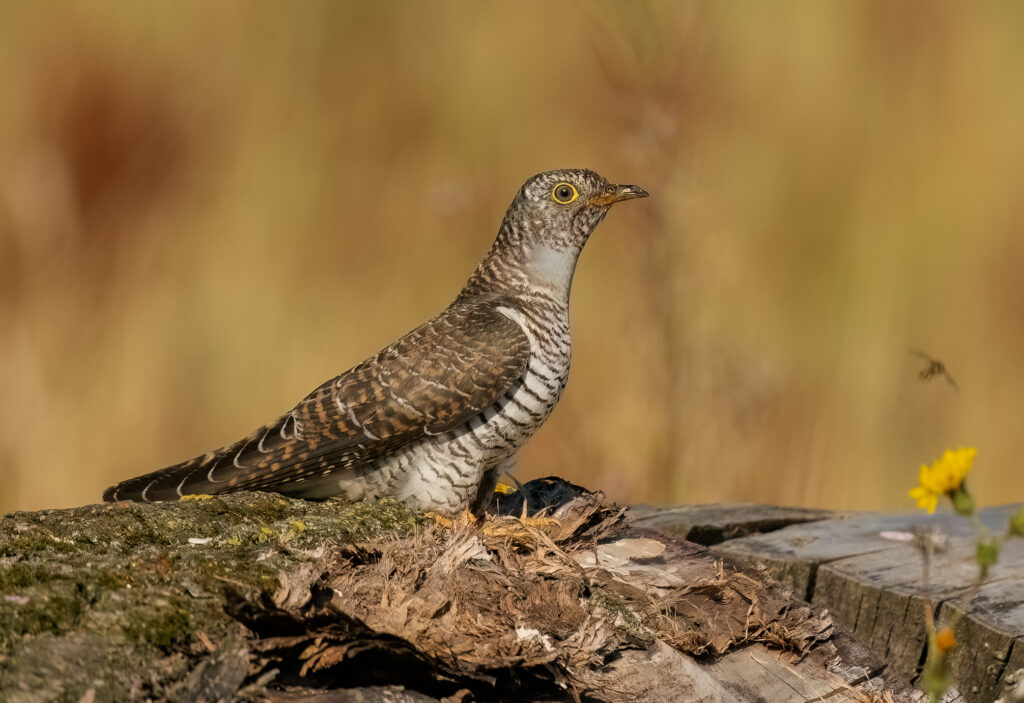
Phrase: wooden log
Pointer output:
(990, 628)
(874, 588)
(717, 522)
(886, 614)
(363, 694)
(759, 674)
(250, 595)
(837, 670)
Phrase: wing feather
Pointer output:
(430, 381)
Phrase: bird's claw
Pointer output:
(461, 519)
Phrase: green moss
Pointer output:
(167, 625)
(122, 584)
(35, 541)
(213, 569)
(109, 579)
(196, 496)
(18, 576)
(56, 610)
(366, 520)
(622, 615)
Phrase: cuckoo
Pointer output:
(434, 417)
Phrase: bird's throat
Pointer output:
(550, 269)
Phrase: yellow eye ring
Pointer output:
(564, 193)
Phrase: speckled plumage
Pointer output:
(432, 417)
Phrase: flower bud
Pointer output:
(963, 503)
(987, 554)
(944, 639)
(1017, 523)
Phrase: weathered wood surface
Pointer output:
(838, 669)
(717, 522)
(252, 597)
(873, 586)
(991, 623)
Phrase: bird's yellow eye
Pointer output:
(564, 193)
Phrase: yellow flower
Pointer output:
(944, 476)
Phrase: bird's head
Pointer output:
(560, 209)
(544, 231)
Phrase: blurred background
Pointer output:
(206, 210)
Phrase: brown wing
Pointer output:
(430, 381)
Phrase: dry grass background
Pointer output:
(207, 209)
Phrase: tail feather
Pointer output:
(188, 477)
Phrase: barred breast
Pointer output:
(448, 471)
(452, 469)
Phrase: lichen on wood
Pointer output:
(111, 597)
(255, 597)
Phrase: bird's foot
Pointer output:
(523, 528)
(196, 496)
(538, 521)
(462, 519)
(518, 528)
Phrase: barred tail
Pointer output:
(209, 473)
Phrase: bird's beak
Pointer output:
(613, 194)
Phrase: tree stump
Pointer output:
(873, 587)
(255, 597)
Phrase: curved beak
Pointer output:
(613, 194)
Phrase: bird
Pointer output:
(433, 418)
